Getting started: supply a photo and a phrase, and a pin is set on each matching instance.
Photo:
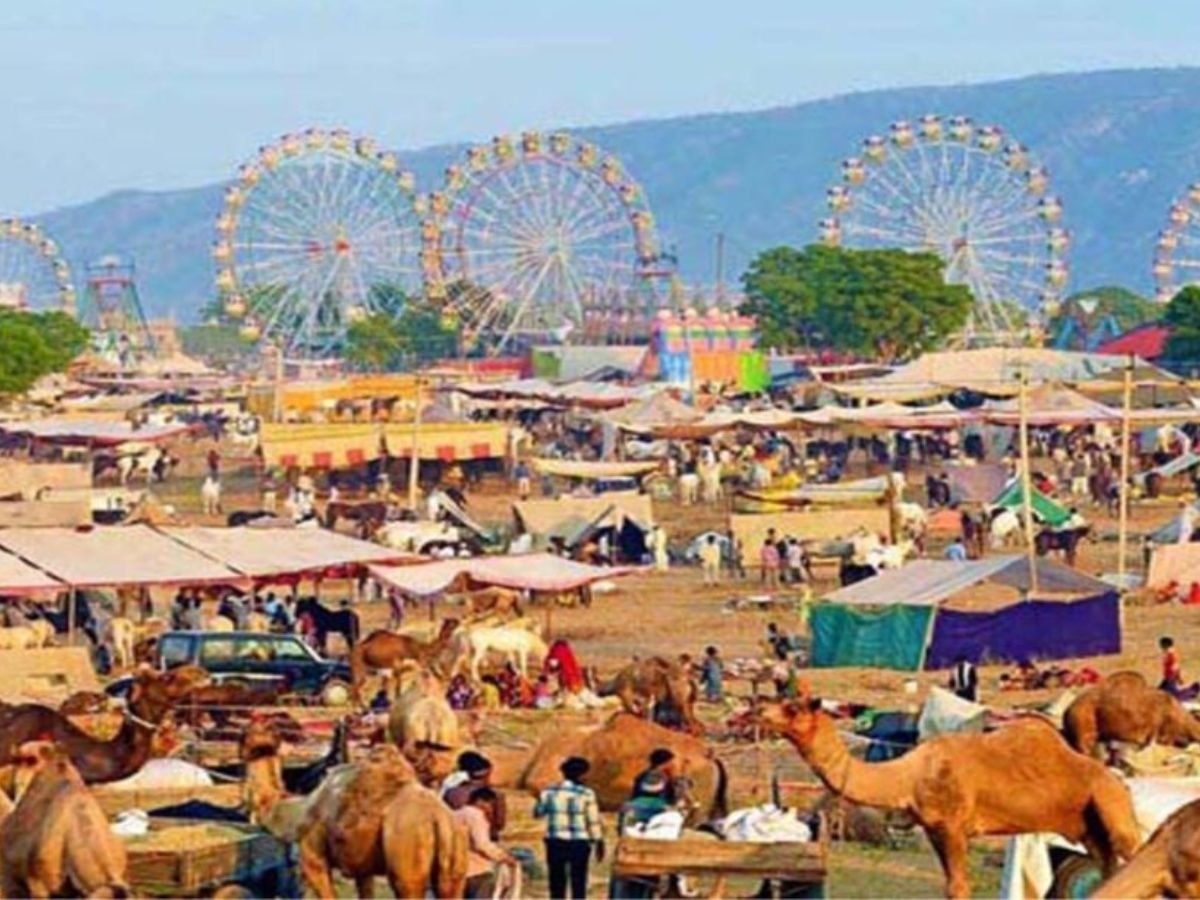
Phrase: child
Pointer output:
(712, 675)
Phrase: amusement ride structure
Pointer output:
(33, 274)
(969, 194)
(543, 238)
(314, 231)
(112, 309)
(1177, 247)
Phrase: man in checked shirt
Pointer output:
(572, 825)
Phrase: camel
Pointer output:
(1167, 865)
(1125, 708)
(19, 638)
(655, 681)
(493, 601)
(421, 715)
(1021, 778)
(618, 750)
(366, 819)
(98, 761)
(56, 840)
(385, 649)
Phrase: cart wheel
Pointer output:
(1076, 876)
(336, 693)
(232, 891)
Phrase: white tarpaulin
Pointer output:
(532, 571)
(265, 552)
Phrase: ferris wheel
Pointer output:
(33, 274)
(965, 192)
(319, 230)
(1177, 249)
(537, 237)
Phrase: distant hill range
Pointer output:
(1119, 146)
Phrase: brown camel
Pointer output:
(97, 761)
(618, 751)
(493, 601)
(1167, 865)
(1125, 708)
(365, 819)
(653, 682)
(1021, 778)
(57, 840)
(385, 649)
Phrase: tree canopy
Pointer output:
(381, 342)
(1182, 315)
(886, 303)
(36, 344)
(1129, 308)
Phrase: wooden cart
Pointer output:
(801, 866)
(193, 858)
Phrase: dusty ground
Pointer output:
(674, 613)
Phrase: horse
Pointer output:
(1005, 527)
(1065, 540)
(369, 515)
(322, 621)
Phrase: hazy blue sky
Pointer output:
(106, 94)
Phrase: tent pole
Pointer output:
(1123, 514)
(71, 617)
(1027, 483)
(414, 458)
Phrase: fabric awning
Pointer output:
(928, 582)
(532, 571)
(18, 577)
(100, 432)
(569, 468)
(268, 552)
(337, 445)
(567, 517)
(113, 556)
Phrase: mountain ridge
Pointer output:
(1119, 144)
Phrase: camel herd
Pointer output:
(379, 816)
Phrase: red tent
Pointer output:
(1146, 341)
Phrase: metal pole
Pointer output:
(71, 617)
(414, 460)
(720, 268)
(1123, 515)
(1027, 482)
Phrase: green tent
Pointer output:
(1044, 508)
(892, 637)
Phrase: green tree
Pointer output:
(24, 356)
(886, 303)
(374, 343)
(64, 336)
(1182, 315)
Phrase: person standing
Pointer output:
(1172, 670)
(710, 559)
(573, 827)
(658, 541)
(524, 483)
(712, 675)
(964, 680)
(478, 770)
(769, 559)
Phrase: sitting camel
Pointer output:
(655, 681)
(1020, 779)
(421, 715)
(1168, 865)
(365, 819)
(618, 751)
(1125, 708)
(57, 840)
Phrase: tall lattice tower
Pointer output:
(112, 309)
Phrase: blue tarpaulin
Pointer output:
(1032, 630)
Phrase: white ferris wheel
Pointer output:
(971, 195)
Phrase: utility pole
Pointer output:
(720, 268)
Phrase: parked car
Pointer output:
(255, 658)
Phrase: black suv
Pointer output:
(255, 658)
